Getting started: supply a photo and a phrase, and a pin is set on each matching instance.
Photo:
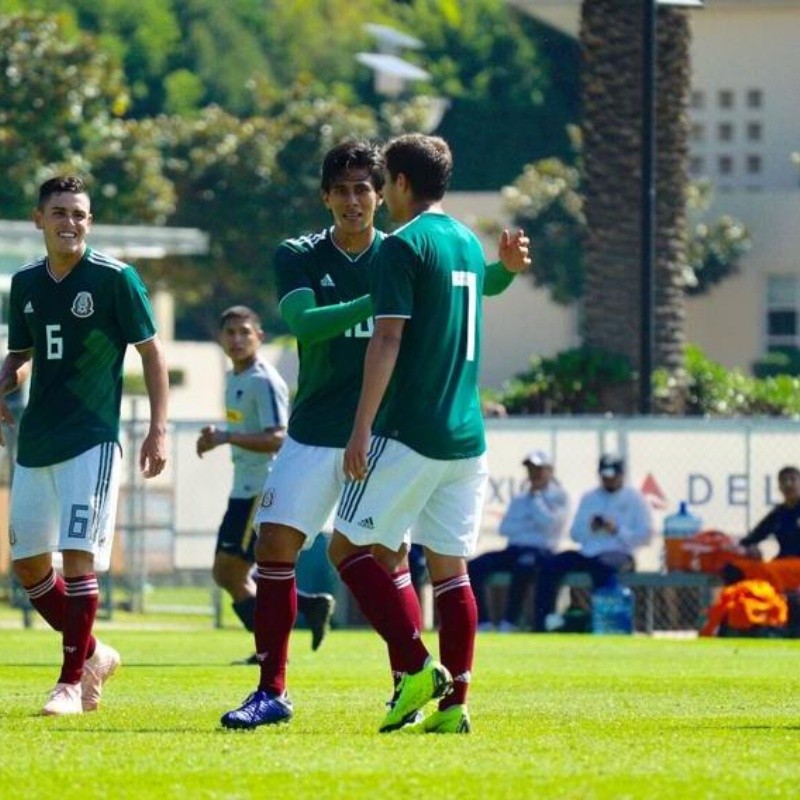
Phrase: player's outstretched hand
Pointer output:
(153, 455)
(355, 456)
(514, 250)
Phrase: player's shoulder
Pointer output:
(306, 243)
(30, 270)
(103, 261)
(263, 371)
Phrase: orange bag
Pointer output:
(746, 606)
(706, 551)
(782, 573)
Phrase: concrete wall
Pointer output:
(729, 323)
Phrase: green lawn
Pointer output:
(553, 716)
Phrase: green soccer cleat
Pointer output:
(414, 692)
(452, 720)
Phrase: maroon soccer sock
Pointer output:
(379, 601)
(458, 621)
(81, 601)
(408, 597)
(49, 598)
(276, 611)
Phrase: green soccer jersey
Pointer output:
(78, 328)
(431, 271)
(329, 380)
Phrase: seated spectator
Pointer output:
(610, 523)
(533, 525)
(782, 523)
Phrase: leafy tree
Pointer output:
(547, 200)
(512, 83)
(249, 183)
(60, 99)
(714, 248)
(141, 36)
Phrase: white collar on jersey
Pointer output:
(349, 256)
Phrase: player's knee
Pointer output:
(278, 543)
(221, 575)
(30, 571)
(340, 548)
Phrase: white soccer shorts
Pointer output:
(441, 501)
(302, 489)
(67, 506)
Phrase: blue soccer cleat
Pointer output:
(260, 708)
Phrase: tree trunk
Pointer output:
(611, 39)
(672, 142)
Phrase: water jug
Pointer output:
(677, 528)
(612, 610)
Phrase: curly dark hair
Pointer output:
(352, 154)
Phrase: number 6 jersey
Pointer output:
(78, 328)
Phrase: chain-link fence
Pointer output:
(724, 469)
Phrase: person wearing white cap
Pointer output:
(610, 523)
(533, 525)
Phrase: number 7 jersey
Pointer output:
(431, 272)
(78, 328)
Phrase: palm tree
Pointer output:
(611, 40)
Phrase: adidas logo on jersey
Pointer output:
(327, 281)
(367, 523)
(28, 308)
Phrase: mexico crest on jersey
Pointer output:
(83, 305)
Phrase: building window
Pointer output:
(783, 302)
(755, 98)
(755, 131)
(725, 98)
(725, 131)
(725, 165)
(698, 100)
(696, 166)
(754, 164)
(698, 132)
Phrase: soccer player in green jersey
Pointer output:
(323, 286)
(257, 412)
(424, 466)
(73, 313)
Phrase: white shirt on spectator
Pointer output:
(628, 509)
(536, 519)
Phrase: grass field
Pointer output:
(554, 717)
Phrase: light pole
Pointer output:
(648, 197)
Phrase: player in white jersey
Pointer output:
(257, 412)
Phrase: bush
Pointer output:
(578, 381)
(778, 361)
(573, 382)
(713, 390)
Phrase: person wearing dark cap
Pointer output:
(611, 522)
(533, 525)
